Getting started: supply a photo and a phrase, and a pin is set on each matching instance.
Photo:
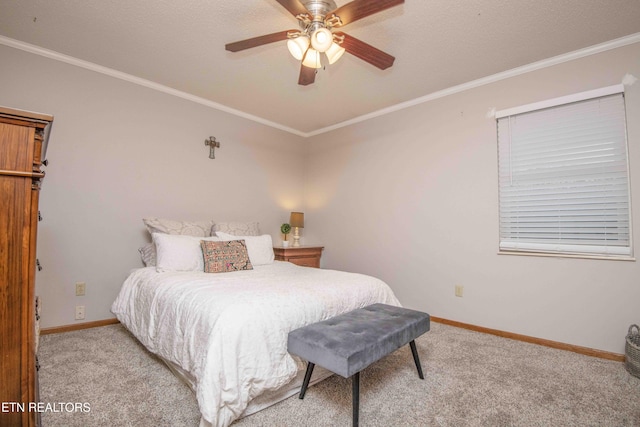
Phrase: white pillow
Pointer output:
(260, 248)
(175, 252)
(237, 228)
(169, 226)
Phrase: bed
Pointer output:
(226, 333)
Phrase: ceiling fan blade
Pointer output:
(307, 75)
(258, 41)
(294, 7)
(359, 9)
(366, 52)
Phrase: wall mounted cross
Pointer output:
(213, 144)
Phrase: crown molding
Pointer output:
(581, 53)
(566, 57)
(17, 44)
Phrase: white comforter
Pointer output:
(229, 330)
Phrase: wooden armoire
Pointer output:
(23, 143)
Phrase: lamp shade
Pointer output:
(312, 59)
(321, 39)
(334, 53)
(298, 46)
(297, 219)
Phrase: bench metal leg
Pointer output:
(416, 359)
(355, 387)
(307, 377)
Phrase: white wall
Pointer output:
(412, 197)
(120, 152)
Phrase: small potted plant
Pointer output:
(285, 229)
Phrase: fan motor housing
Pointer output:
(319, 7)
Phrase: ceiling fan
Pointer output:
(317, 20)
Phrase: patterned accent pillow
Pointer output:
(237, 228)
(222, 257)
(148, 254)
(185, 228)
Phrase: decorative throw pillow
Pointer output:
(237, 228)
(186, 228)
(222, 257)
(260, 248)
(179, 253)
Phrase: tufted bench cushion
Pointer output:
(348, 343)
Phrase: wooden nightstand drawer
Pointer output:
(305, 256)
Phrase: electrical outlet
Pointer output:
(459, 290)
(80, 288)
(79, 312)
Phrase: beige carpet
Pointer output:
(471, 379)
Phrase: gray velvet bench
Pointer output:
(348, 343)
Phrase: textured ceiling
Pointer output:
(438, 44)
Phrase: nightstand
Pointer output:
(306, 256)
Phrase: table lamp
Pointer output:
(297, 222)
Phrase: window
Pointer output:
(564, 176)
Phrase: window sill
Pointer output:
(559, 255)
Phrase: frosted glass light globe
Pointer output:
(312, 59)
(298, 46)
(321, 39)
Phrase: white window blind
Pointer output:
(564, 179)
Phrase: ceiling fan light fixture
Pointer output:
(334, 52)
(298, 46)
(317, 20)
(321, 39)
(312, 59)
